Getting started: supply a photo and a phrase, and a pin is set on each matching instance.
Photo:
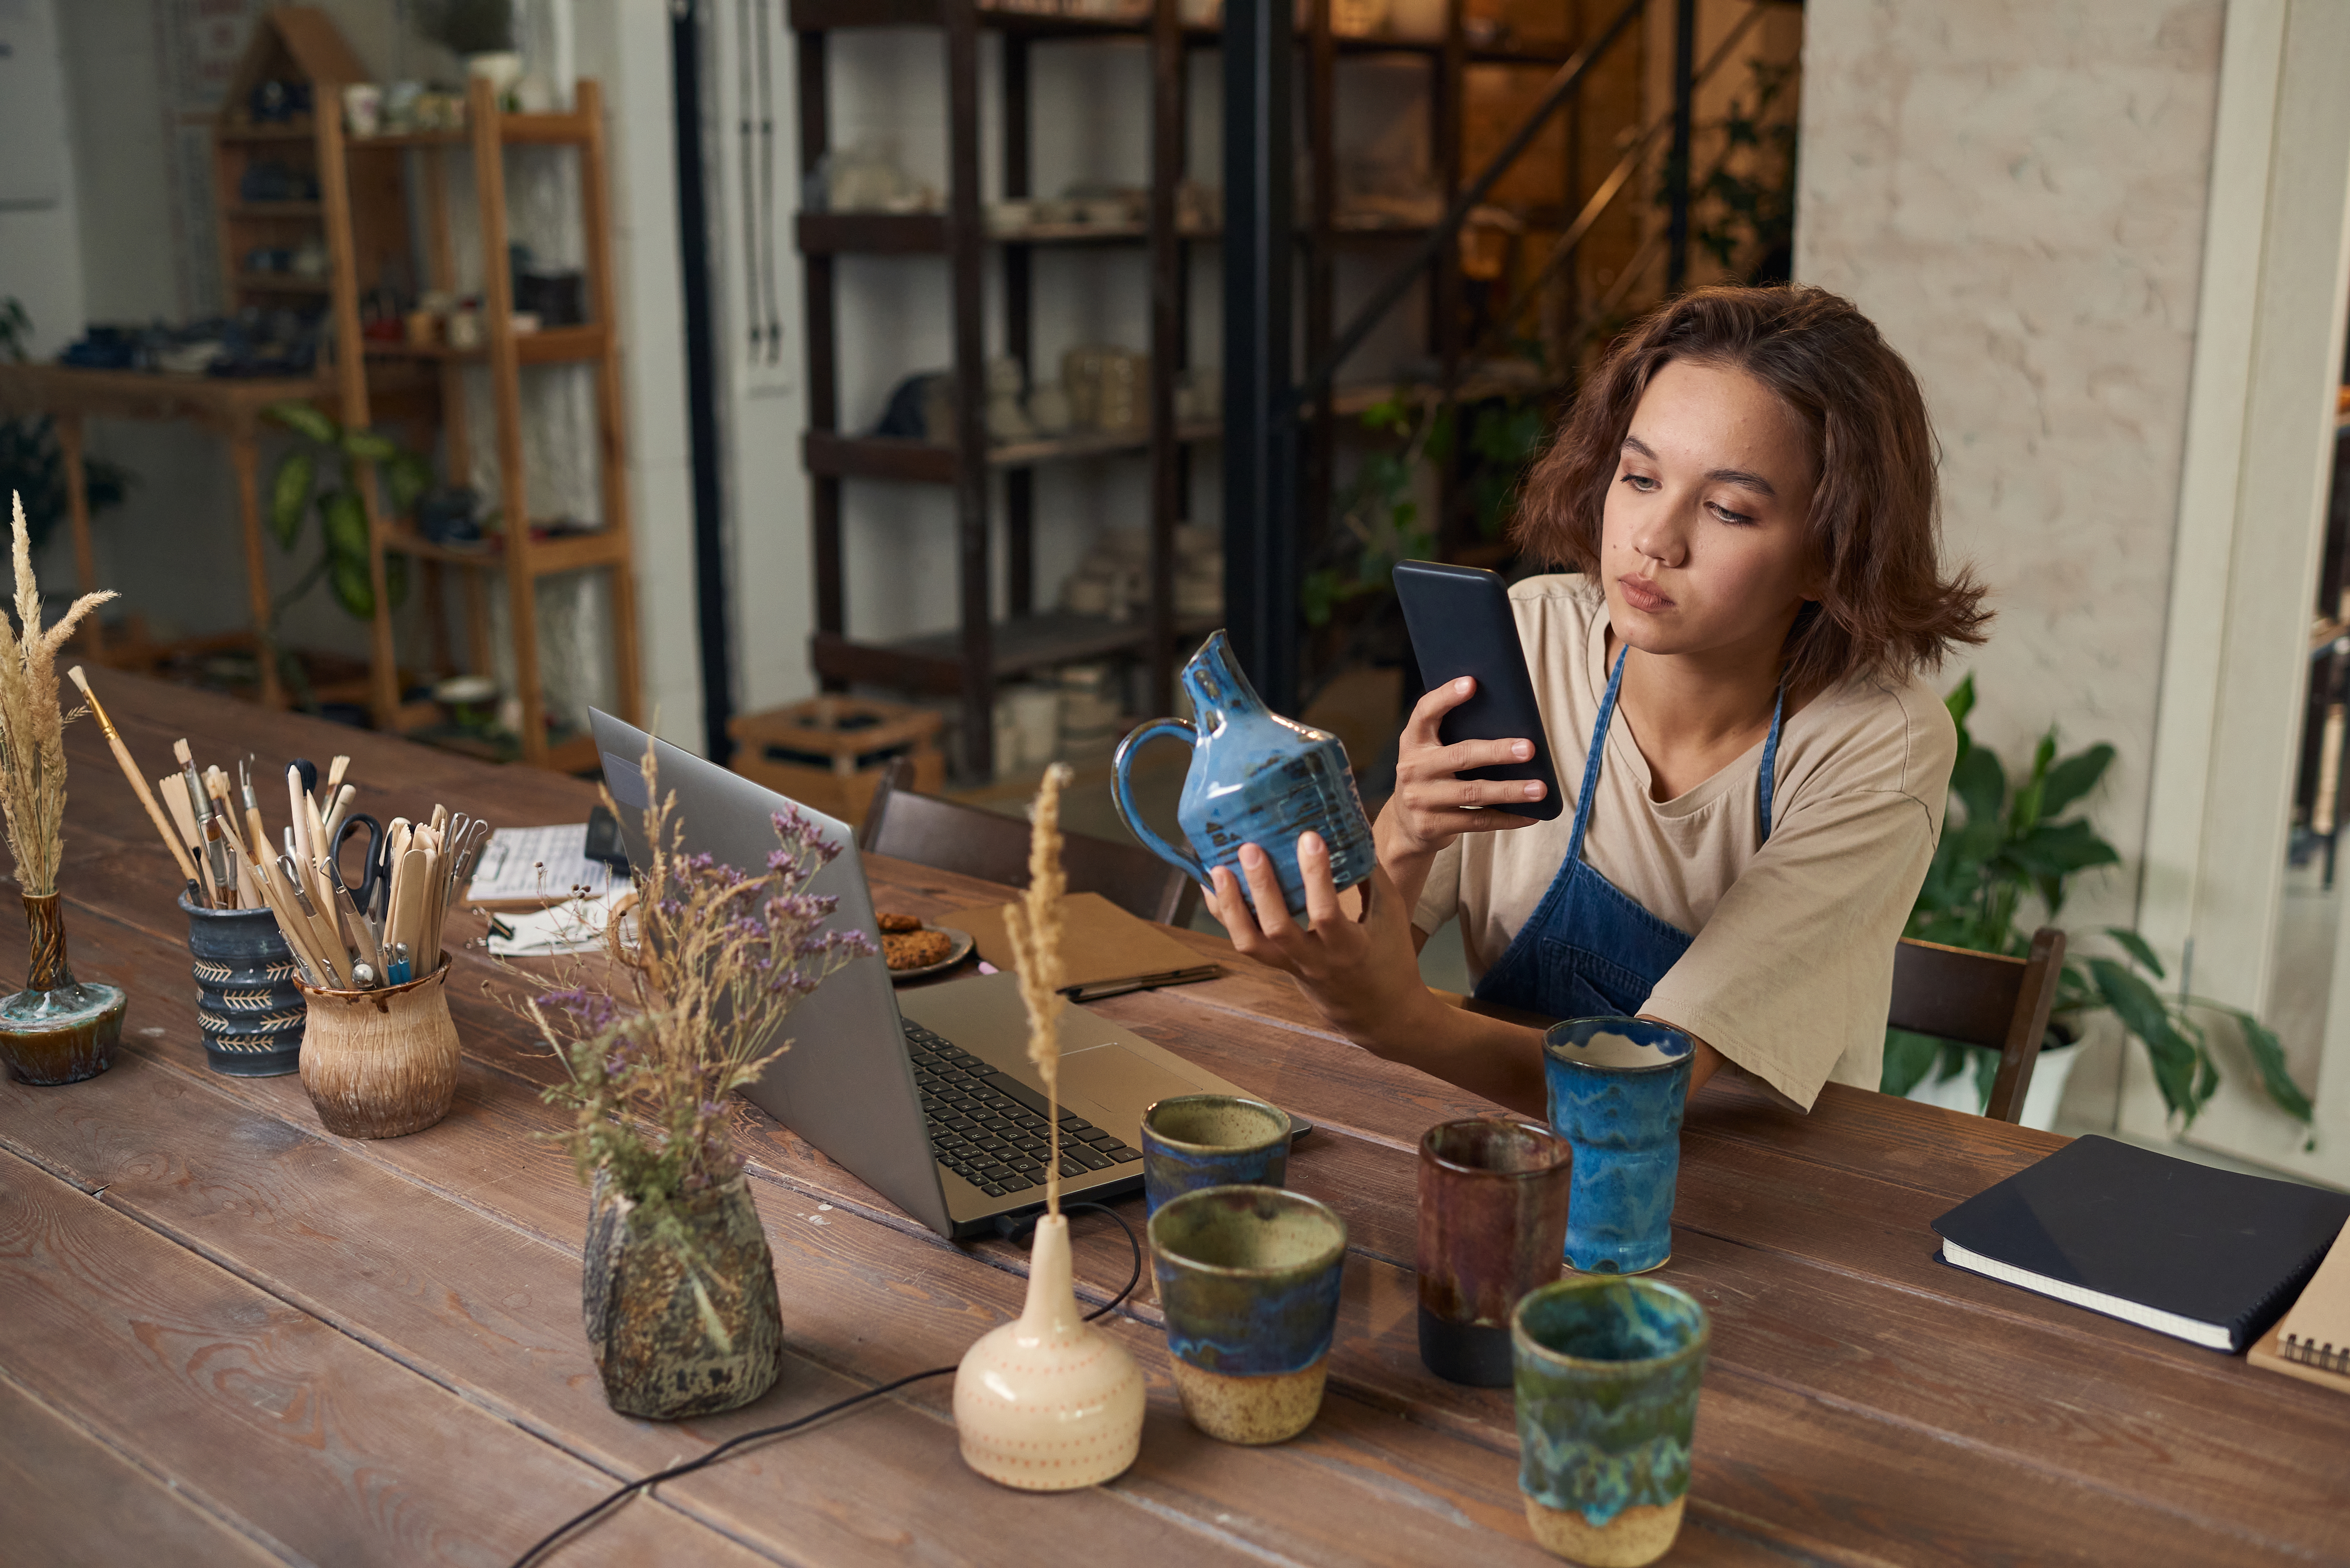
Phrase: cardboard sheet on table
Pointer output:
(1104, 951)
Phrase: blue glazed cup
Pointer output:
(1190, 1141)
(1249, 1277)
(1607, 1375)
(1616, 1087)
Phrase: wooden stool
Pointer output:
(829, 752)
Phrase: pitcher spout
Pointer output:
(1218, 689)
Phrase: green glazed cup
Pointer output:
(1249, 1279)
(1607, 1374)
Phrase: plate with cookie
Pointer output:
(912, 949)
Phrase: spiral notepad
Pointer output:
(2312, 1342)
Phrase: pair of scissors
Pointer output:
(375, 871)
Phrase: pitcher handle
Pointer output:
(1122, 796)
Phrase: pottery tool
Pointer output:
(174, 793)
(248, 895)
(291, 926)
(334, 777)
(355, 926)
(137, 783)
(324, 939)
(219, 880)
(339, 809)
(255, 828)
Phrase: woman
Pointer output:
(1745, 493)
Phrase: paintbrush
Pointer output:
(131, 771)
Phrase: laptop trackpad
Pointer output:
(1116, 1085)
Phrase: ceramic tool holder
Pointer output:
(383, 1062)
(248, 1002)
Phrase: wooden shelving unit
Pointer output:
(967, 664)
(513, 553)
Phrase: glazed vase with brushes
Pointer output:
(57, 1030)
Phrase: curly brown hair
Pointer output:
(1886, 608)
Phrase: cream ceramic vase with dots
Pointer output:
(1049, 1402)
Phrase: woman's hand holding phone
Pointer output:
(1432, 805)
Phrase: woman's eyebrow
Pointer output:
(1738, 476)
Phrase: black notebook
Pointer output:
(2207, 1255)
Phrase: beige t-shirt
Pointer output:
(1791, 973)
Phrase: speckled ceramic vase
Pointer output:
(1492, 1222)
(1256, 778)
(1049, 1402)
(1249, 1279)
(1617, 1089)
(57, 1030)
(247, 1005)
(1607, 1375)
(680, 1331)
(1190, 1141)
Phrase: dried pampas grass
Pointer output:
(1033, 924)
(32, 725)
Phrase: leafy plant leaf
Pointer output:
(289, 498)
(369, 447)
(1908, 1059)
(1980, 785)
(347, 529)
(2267, 1058)
(406, 478)
(2059, 849)
(2140, 952)
(2175, 1058)
(349, 578)
(2073, 777)
(305, 420)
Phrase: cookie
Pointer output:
(899, 922)
(913, 950)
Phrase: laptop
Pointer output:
(926, 1094)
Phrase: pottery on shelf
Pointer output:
(677, 1332)
(1049, 1402)
(381, 1062)
(1255, 778)
(247, 1005)
(57, 1030)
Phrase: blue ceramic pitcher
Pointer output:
(1256, 778)
(1617, 1089)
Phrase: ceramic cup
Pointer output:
(363, 108)
(1191, 1141)
(1607, 1375)
(381, 1062)
(248, 1004)
(1616, 1086)
(1248, 1277)
(1493, 1220)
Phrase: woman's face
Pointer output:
(1704, 547)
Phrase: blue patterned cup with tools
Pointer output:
(1191, 1141)
(1616, 1087)
(1249, 1277)
(1607, 1375)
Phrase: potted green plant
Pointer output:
(655, 1035)
(2009, 843)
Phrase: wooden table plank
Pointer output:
(327, 1450)
(68, 1501)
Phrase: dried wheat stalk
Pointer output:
(32, 725)
(1033, 925)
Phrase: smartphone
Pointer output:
(1460, 624)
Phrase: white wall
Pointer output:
(40, 231)
(2015, 191)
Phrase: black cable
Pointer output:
(590, 1514)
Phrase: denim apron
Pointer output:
(1590, 950)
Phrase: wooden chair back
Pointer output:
(1981, 999)
(953, 837)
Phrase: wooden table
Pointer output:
(227, 1336)
(231, 406)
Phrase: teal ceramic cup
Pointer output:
(1191, 1141)
(1249, 1277)
(1617, 1089)
(1607, 1375)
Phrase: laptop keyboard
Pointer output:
(990, 1129)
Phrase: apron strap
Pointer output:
(1591, 758)
(1771, 757)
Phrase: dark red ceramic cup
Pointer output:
(1492, 1226)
